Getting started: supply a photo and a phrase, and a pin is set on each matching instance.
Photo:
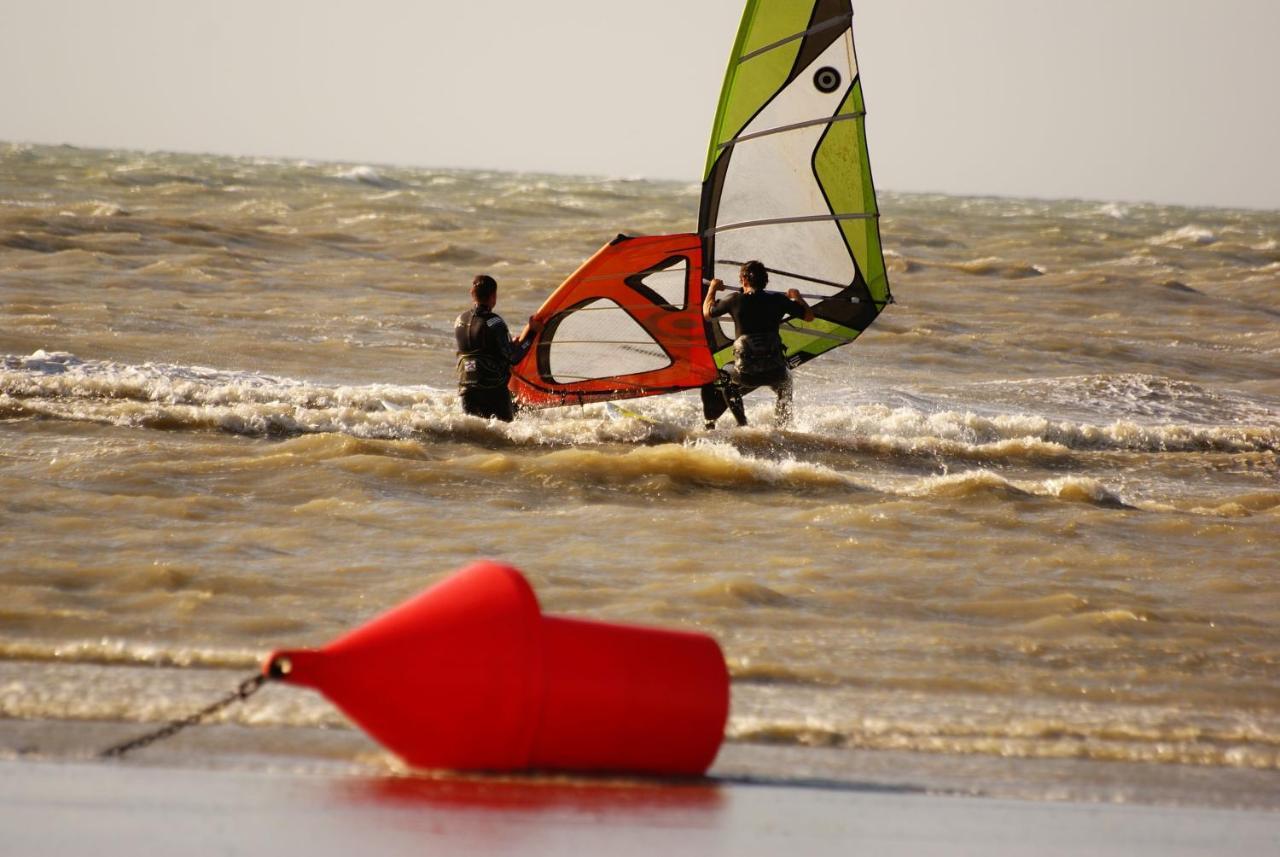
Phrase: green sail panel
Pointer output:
(844, 171)
(788, 180)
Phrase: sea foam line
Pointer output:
(157, 395)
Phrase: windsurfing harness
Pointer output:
(759, 359)
(758, 352)
(485, 350)
(787, 181)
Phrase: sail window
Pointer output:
(599, 339)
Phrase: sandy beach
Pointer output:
(75, 809)
(229, 789)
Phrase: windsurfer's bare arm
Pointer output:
(710, 300)
(794, 294)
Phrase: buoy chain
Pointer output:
(247, 688)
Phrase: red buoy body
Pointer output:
(469, 675)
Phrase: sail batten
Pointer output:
(812, 218)
(825, 25)
(796, 126)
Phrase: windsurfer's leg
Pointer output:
(487, 403)
(784, 408)
(470, 402)
(713, 403)
(733, 393)
(503, 407)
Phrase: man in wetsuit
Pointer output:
(486, 353)
(758, 355)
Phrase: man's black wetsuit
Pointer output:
(759, 359)
(485, 357)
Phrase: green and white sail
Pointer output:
(788, 180)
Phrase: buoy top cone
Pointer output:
(470, 675)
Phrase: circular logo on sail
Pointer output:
(827, 79)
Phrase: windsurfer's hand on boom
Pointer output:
(794, 294)
(713, 287)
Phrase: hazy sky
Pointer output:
(1160, 100)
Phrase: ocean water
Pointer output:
(1032, 515)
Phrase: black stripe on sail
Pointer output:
(813, 30)
(857, 315)
(820, 37)
(636, 282)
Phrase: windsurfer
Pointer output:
(486, 353)
(759, 359)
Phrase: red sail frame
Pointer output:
(613, 274)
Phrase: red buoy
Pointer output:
(469, 675)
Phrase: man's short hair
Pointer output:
(483, 287)
(755, 273)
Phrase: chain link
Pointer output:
(247, 688)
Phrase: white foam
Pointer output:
(61, 385)
(943, 431)
(1187, 235)
(367, 175)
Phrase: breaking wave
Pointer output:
(58, 385)
(1019, 738)
(996, 436)
(1187, 236)
(985, 483)
(119, 652)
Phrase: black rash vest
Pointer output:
(758, 312)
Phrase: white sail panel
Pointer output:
(600, 340)
(669, 284)
(771, 182)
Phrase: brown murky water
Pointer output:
(1033, 513)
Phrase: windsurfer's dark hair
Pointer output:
(755, 273)
(483, 287)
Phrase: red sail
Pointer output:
(628, 323)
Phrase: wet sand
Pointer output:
(125, 809)
(230, 789)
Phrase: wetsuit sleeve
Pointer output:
(513, 351)
(796, 309)
(517, 350)
(724, 305)
(461, 331)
